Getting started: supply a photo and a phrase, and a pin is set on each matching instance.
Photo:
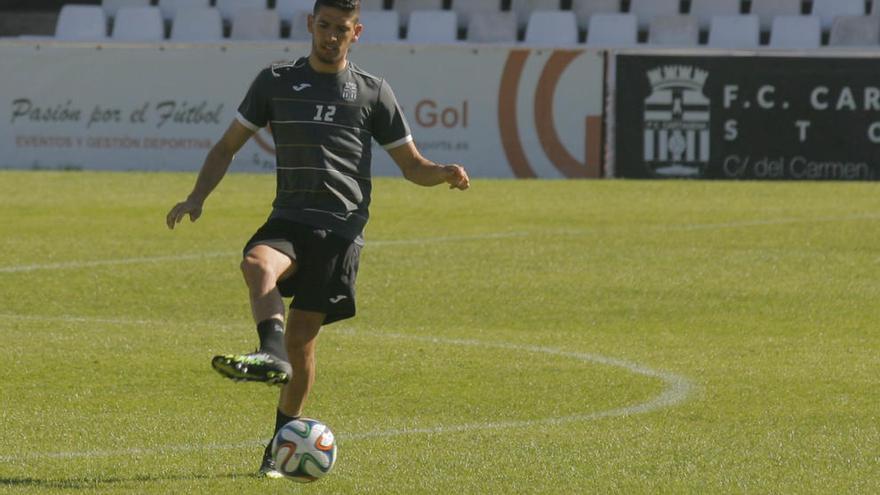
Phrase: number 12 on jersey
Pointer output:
(325, 113)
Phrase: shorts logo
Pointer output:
(350, 91)
(334, 300)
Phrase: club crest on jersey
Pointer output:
(350, 91)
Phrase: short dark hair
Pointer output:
(346, 5)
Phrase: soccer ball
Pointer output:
(304, 450)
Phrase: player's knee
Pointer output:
(254, 267)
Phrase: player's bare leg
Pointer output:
(300, 339)
(262, 267)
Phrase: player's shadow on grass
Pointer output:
(93, 482)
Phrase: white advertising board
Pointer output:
(501, 111)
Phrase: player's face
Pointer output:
(333, 32)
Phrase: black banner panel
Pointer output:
(749, 117)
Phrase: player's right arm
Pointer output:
(212, 172)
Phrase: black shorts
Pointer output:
(327, 266)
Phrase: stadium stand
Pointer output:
(734, 31)
(795, 32)
(584, 9)
(197, 25)
(552, 28)
(111, 7)
(766, 10)
(372, 5)
(288, 8)
(612, 30)
(380, 26)
(828, 10)
(432, 26)
(228, 8)
(674, 31)
(524, 8)
(492, 27)
(81, 23)
(299, 26)
(464, 9)
(255, 25)
(406, 7)
(704, 10)
(138, 24)
(854, 32)
(645, 10)
(170, 8)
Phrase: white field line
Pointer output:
(678, 389)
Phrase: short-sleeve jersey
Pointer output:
(323, 126)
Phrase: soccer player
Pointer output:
(324, 111)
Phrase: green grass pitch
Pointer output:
(520, 337)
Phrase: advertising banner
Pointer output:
(501, 111)
(747, 117)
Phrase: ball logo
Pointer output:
(676, 124)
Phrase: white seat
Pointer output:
(552, 28)
(854, 31)
(704, 10)
(645, 10)
(299, 26)
(766, 10)
(674, 30)
(584, 9)
(138, 24)
(81, 23)
(464, 9)
(112, 6)
(255, 25)
(228, 8)
(432, 26)
(288, 8)
(169, 8)
(524, 9)
(197, 24)
(405, 8)
(734, 31)
(492, 27)
(796, 31)
(380, 26)
(613, 30)
(827, 10)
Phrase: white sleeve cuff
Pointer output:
(245, 122)
(399, 142)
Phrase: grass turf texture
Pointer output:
(764, 295)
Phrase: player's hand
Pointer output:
(191, 207)
(457, 177)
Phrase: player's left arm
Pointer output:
(419, 170)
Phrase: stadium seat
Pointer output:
(524, 8)
(255, 25)
(613, 30)
(169, 8)
(645, 10)
(492, 27)
(828, 10)
(584, 9)
(464, 9)
(138, 24)
(432, 26)
(81, 23)
(299, 26)
(855, 31)
(372, 5)
(734, 31)
(406, 7)
(674, 30)
(112, 6)
(704, 10)
(552, 28)
(288, 8)
(197, 24)
(380, 26)
(228, 8)
(766, 10)
(796, 31)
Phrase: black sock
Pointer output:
(282, 419)
(272, 337)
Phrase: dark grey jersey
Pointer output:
(323, 125)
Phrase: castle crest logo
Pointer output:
(677, 122)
